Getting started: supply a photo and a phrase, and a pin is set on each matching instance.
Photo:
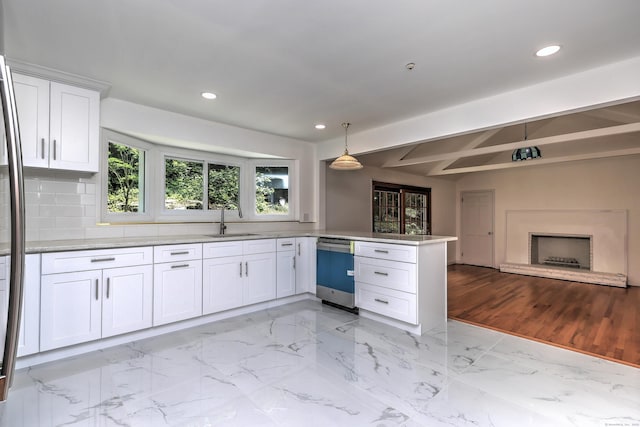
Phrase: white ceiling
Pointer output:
(280, 66)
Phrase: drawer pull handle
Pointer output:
(381, 251)
(287, 244)
(380, 273)
(180, 266)
(381, 301)
(103, 259)
(180, 253)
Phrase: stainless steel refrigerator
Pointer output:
(12, 242)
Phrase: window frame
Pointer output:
(205, 214)
(292, 190)
(109, 136)
(401, 190)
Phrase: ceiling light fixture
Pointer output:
(209, 95)
(345, 162)
(320, 126)
(526, 153)
(548, 50)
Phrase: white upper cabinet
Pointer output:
(59, 124)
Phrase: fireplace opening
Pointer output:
(561, 250)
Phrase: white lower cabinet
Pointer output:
(177, 291)
(222, 287)
(306, 265)
(296, 262)
(29, 340)
(81, 306)
(286, 268)
(260, 278)
(127, 299)
(238, 273)
(71, 309)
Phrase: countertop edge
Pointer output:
(46, 246)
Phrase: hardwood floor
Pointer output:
(599, 320)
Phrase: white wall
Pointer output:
(347, 200)
(586, 185)
(154, 125)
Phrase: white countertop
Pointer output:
(87, 244)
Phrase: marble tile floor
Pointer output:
(306, 364)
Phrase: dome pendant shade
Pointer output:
(346, 161)
(526, 153)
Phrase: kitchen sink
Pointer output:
(232, 235)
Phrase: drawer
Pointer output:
(387, 302)
(388, 251)
(258, 246)
(286, 244)
(171, 253)
(396, 275)
(221, 249)
(65, 262)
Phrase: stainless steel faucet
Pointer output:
(223, 227)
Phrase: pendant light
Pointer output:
(525, 153)
(346, 162)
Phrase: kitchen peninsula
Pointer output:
(83, 295)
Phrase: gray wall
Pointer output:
(348, 200)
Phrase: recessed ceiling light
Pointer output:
(548, 50)
(320, 126)
(209, 95)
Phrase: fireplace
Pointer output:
(561, 250)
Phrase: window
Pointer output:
(401, 209)
(224, 187)
(143, 182)
(272, 190)
(125, 179)
(184, 184)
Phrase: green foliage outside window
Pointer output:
(224, 187)
(183, 184)
(124, 184)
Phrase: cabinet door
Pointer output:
(260, 278)
(177, 291)
(29, 340)
(306, 265)
(74, 128)
(126, 299)
(70, 309)
(32, 101)
(285, 274)
(222, 280)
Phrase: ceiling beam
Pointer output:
(613, 115)
(475, 142)
(556, 139)
(540, 161)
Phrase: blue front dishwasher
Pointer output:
(334, 277)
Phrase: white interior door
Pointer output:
(477, 228)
